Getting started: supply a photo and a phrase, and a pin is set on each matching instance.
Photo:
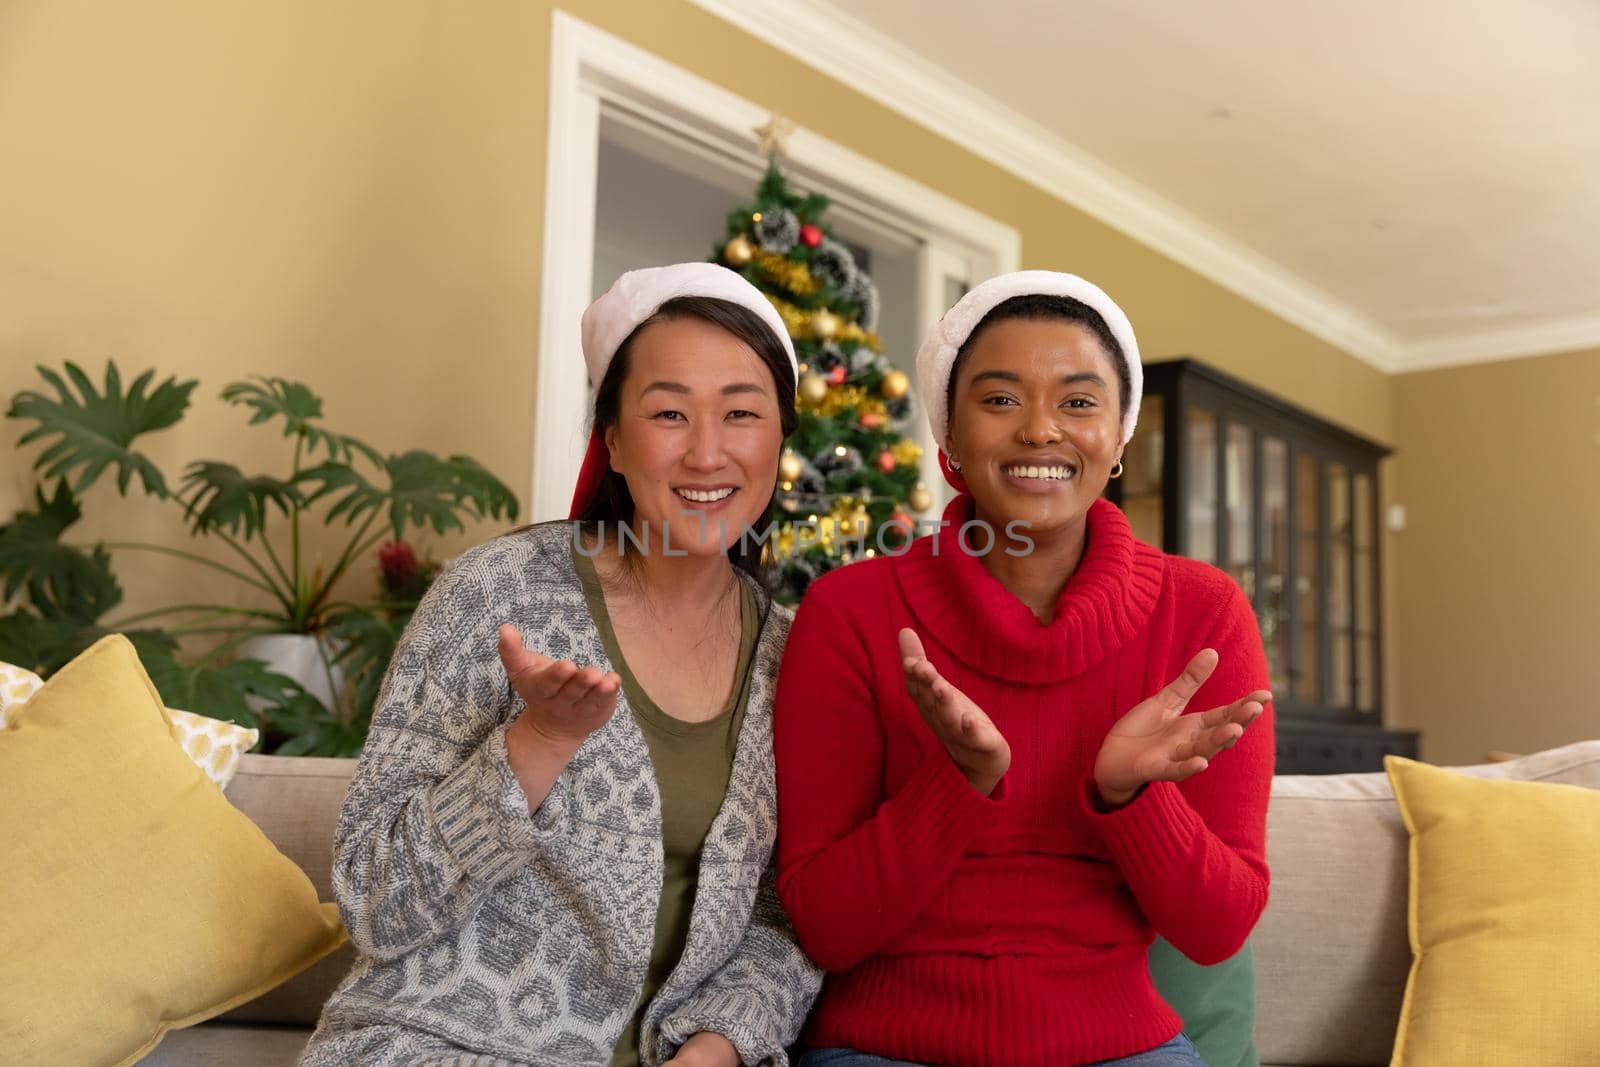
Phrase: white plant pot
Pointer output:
(296, 656)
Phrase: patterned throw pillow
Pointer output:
(16, 686)
(214, 746)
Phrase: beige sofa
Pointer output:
(1331, 951)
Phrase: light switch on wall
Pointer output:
(1397, 518)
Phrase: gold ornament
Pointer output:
(896, 384)
(825, 324)
(738, 251)
(789, 467)
(920, 498)
(813, 389)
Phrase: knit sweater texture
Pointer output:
(1011, 930)
(489, 936)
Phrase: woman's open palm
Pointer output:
(1156, 742)
(566, 703)
(968, 734)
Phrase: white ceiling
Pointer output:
(1416, 180)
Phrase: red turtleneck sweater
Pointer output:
(1011, 930)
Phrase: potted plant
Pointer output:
(65, 592)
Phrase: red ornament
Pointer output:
(836, 376)
(871, 420)
(903, 525)
(886, 461)
(810, 235)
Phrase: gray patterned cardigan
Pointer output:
(488, 936)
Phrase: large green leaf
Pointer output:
(93, 429)
(219, 691)
(31, 641)
(423, 490)
(314, 731)
(366, 641)
(299, 408)
(218, 496)
(62, 581)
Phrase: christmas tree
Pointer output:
(848, 483)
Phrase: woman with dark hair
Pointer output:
(1012, 756)
(556, 847)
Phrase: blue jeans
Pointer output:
(1175, 1053)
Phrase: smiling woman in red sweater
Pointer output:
(1007, 760)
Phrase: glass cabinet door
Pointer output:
(1272, 606)
(1338, 610)
(1366, 596)
(1238, 502)
(1142, 481)
(1309, 583)
(1200, 510)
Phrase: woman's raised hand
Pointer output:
(566, 703)
(968, 734)
(1156, 742)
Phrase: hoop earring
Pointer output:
(953, 463)
(1116, 472)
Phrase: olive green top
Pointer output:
(693, 762)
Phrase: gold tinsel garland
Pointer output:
(848, 521)
(798, 322)
(781, 270)
(839, 398)
(907, 453)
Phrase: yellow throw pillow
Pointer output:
(137, 899)
(1505, 933)
(214, 746)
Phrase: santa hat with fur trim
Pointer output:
(937, 356)
(630, 301)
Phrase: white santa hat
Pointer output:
(638, 294)
(937, 356)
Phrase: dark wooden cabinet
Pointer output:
(1288, 504)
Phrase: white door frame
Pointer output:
(589, 67)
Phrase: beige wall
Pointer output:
(1497, 580)
(352, 194)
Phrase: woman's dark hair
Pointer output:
(612, 503)
(1041, 306)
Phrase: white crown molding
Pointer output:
(884, 70)
(1518, 342)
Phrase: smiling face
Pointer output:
(697, 435)
(1036, 422)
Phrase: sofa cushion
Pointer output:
(217, 1044)
(295, 800)
(1331, 948)
(1217, 1004)
(1503, 926)
(137, 898)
